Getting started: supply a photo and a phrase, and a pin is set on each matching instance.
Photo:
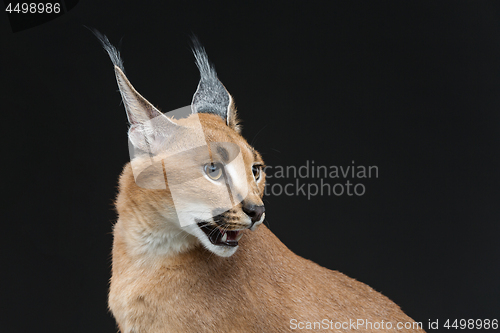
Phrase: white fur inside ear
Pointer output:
(229, 113)
(150, 137)
(138, 138)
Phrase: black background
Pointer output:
(409, 86)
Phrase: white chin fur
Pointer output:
(220, 250)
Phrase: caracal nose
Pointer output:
(254, 211)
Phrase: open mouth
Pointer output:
(218, 236)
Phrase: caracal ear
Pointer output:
(211, 96)
(149, 127)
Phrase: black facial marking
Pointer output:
(223, 153)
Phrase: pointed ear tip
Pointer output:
(119, 73)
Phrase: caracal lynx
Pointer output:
(189, 251)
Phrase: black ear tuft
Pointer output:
(211, 95)
(114, 54)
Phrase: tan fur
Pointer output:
(260, 288)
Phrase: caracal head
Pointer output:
(195, 178)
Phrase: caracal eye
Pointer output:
(213, 170)
(256, 171)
